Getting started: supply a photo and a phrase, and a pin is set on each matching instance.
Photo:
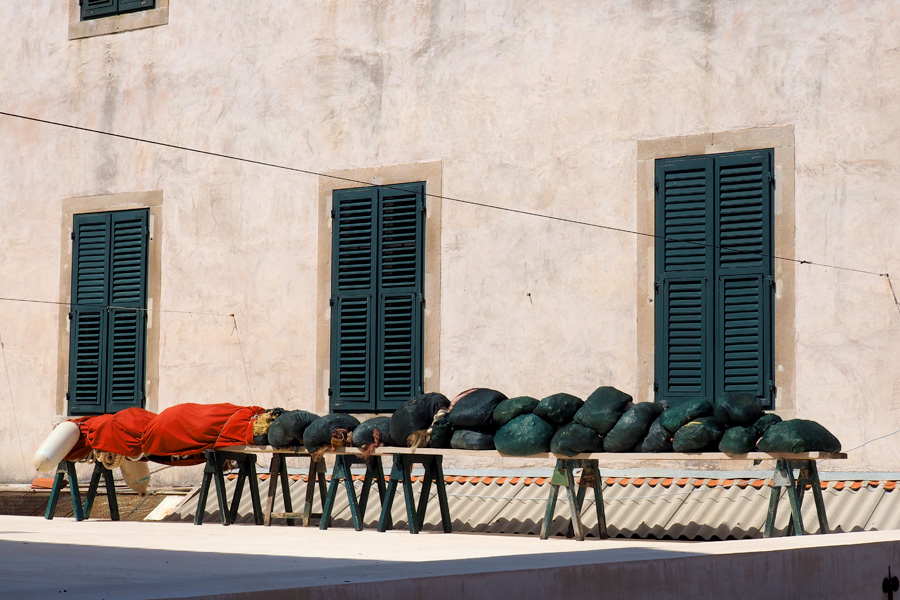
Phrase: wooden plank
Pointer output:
(603, 456)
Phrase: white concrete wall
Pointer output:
(530, 105)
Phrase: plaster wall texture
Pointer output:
(533, 106)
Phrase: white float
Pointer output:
(60, 441)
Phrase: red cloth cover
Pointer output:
(120, 432)
(80, 449)
(192, 428)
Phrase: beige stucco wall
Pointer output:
(537, 106)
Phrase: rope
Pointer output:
(110, 460)
(13, 404)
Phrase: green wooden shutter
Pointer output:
(127, 315)
(353, 283)
(91, 9)
(87, 338)
(684, 312)
(401, 256)
(130, 5)
(745, 295)
(108, 328)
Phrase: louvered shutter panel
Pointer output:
(401, 253)
(354, 283)
(745, 296)
(130, 5)
(91, 9)
(127, 314)
(684, 313)
(87, 338)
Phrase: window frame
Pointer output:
(781, 139)
(115, 23)
(430, 173)
(153, 202)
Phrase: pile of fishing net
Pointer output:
(606, 421)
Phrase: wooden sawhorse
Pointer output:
(278, 474)
(82, 511)
(341, 473)
(401, 473)
(590, 479)
(807, 474)
(214, 470)
(784, 477)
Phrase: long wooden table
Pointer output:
(792, 472)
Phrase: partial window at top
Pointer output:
(94, 9)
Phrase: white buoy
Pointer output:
(136, 475)
(60, 441)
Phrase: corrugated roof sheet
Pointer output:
(684, 508)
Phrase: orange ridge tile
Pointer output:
(712, 483)
(682, 482)
(500, 480)
(667, 482)
(638, 482)
(487, 480)
(890, 485)
(728, 483)
(856, 485)
(654, 482)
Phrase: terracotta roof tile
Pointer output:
(890, 485)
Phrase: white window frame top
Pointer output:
(152, 17)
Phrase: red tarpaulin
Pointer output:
(81, 448)
(119, 433)
(192, 428)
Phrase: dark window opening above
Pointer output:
(95, 9)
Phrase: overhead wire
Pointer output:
(427, 194)
(114, 307)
